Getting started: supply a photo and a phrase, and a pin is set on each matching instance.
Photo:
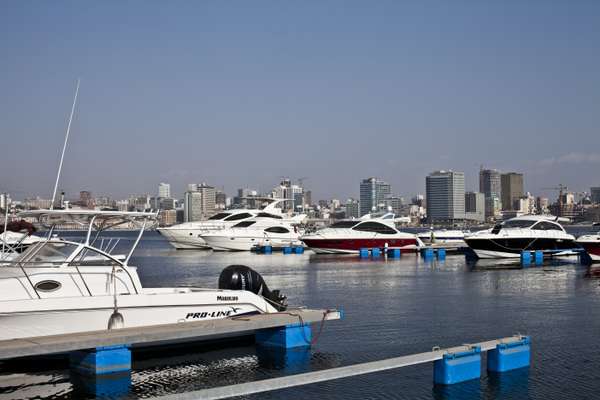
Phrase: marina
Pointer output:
(412, 304)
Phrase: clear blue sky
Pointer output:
(238, 93)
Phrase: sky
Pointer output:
(240, 93)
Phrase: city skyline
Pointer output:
(238, 94)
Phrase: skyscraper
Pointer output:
(199, 202)
(512, 190)
(373, 192)
(164, 190)
(474, 206)
(490, 186)
(445, 196)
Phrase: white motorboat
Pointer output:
(58, 286)
(529, 232)
(349, 236)
(591, 244)
(189, 235)
(256, 232)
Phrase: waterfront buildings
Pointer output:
(595, 195)
(490, 186)
(445, 196)
(373, 192)
(164, 190)
(199, 202)
(512, 190)
(475, 206)
(352, 208)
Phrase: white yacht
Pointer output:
(529, 232)
(259, 231)
(349, 236)
(189, 235)
(58, 286)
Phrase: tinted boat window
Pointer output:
(267, 215)
(277, 229)
(517, 223)
(344, 224)
(219, 216)
(237, 217)
(375, 227)
(546, 226)
(243, 224)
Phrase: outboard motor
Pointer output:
(241, 277)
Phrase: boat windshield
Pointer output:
(219, 216)
(517, 223)
(48, 252)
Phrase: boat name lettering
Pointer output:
(227, 298)
(206, 314)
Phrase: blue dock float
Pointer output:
(394, 253)
(299, 250)
(375, 252)
(286, 337)
(363, 253)
(529, 257)
(509, 356)
(458, 367)
(428, 253)
(287, 250)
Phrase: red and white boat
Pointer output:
(349, 236)
(591, 244)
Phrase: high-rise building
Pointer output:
(352, 208)
(164, 190)
(512, 190)
(373, 192)
(595, 195)
(475, 206)
(394, 204)
(220, 200)
(445, 196)
(490, 186)
(199, 202)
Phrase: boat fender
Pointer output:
(241, 277)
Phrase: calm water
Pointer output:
(392, 308)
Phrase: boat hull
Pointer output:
(502, 247)
(351, 246)
(592, 247)
(184, 239)
(72, 315)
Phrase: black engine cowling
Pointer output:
(241, 277)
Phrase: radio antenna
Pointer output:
(62, 156)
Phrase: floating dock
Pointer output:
(452, 365)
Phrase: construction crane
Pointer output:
(561, 190)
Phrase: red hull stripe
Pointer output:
(592, 248)
(357, 244)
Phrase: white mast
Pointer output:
(62, 156)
